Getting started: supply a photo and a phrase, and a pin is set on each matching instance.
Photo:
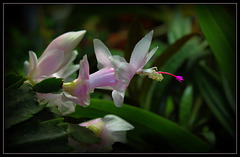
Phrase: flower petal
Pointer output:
(68, 58)
(115, 123)
(68, 97)
(68, 69)
(65, 107)
(32, 61)
(82, 92)
(119, 136)
(123, 71)
(118, 97)
(66, 42)
(150, 54)
(84, 69)
(103, 78)
(102, 54)
(91, 122)
(119, 58)
(50, 62)
(140, 51)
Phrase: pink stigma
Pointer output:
(179, 78)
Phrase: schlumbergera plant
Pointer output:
(114, 73)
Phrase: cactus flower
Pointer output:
(56, 57)
(56, 61)
(110, 129)
(124, 71)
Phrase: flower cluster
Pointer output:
(114, 73)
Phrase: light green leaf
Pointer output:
(195, 112)
(169, 106)
(186, 106)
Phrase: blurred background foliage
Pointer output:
(194, 41)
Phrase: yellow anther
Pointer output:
(151, 73)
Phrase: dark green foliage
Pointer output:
(20, 104)
(49, 85)
(82, 134)
(13, 81)
(35, 136)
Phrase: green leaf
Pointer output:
(82, 134)
(195, 112)
(212, 92)
(20, 104)
(146, 124)
(13, 81)
(219, 28)
(186, 106)
(49, 85)
(169, 106)
(34, 136)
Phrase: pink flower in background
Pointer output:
(110, 129)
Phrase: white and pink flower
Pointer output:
(110, 129)
(123, 70)
(56, 61)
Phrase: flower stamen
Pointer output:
(151, 73)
